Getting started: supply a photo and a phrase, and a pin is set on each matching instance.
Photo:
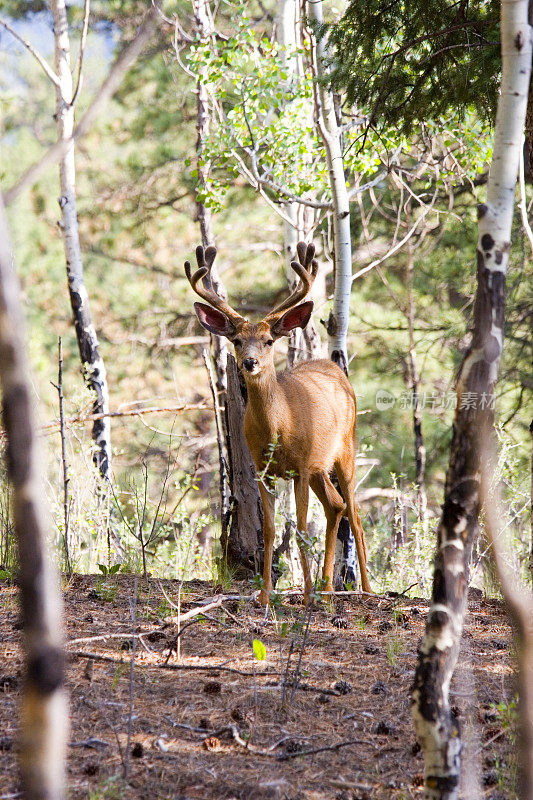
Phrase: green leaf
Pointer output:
(259, 650)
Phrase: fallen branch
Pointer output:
(174, 667)
(195, 611)
(313, 750)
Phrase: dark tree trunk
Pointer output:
(242, 535)
(44, 713)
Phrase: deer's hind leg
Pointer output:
(269, 534)
(345, 470)
(334, 507)
(301, 496)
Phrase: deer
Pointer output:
(301, 422)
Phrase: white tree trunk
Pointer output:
(205, 28)
(437, 728)
(92, 363)
(44, 712)
(331, 136)
(303, 344)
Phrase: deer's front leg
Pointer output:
(301, 496)
(269, 533)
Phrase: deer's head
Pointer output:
(253, 341)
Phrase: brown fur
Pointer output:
(309, 412)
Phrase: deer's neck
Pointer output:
(263, 407)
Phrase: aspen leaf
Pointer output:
(259, 650)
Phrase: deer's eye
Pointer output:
(270, 342)
(237, 342)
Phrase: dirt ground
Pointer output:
(202, 726)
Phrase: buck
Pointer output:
(301, 422)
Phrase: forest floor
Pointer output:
(203, 727)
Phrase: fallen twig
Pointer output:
(342, 784)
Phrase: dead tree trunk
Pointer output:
(437, 728)
(44, 713)
(91, 360)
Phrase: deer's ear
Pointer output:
(296, 317)
(214, 320)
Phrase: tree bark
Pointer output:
(519, 603)
(92, 363)
(337, 325)
(331, 136)
(437, 728)
(414, 385)
(219, 349)
(242, 538)
(44, 714)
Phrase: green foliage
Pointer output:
(406, 63)
(265, 125)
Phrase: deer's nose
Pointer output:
(250, 363)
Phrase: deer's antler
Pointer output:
(306, 268)
(202, 283)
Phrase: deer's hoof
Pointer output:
(263, 598)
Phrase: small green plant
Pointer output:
(108, 571)
(7, 574)
(276, 601)
(106, 590)
(507, 768)
(164, 609)
(507, 714)
(395, 647)
(110, 789)
(224, 574)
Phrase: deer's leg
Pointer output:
(269, 533)
(346, 478)
(301, 496)
(334, 507)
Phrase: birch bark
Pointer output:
(205, 28)
(414, 385)
(337, 325)
(331, 136)
(298, 221)
(92, 363)
(44, 713)
(437, 728)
